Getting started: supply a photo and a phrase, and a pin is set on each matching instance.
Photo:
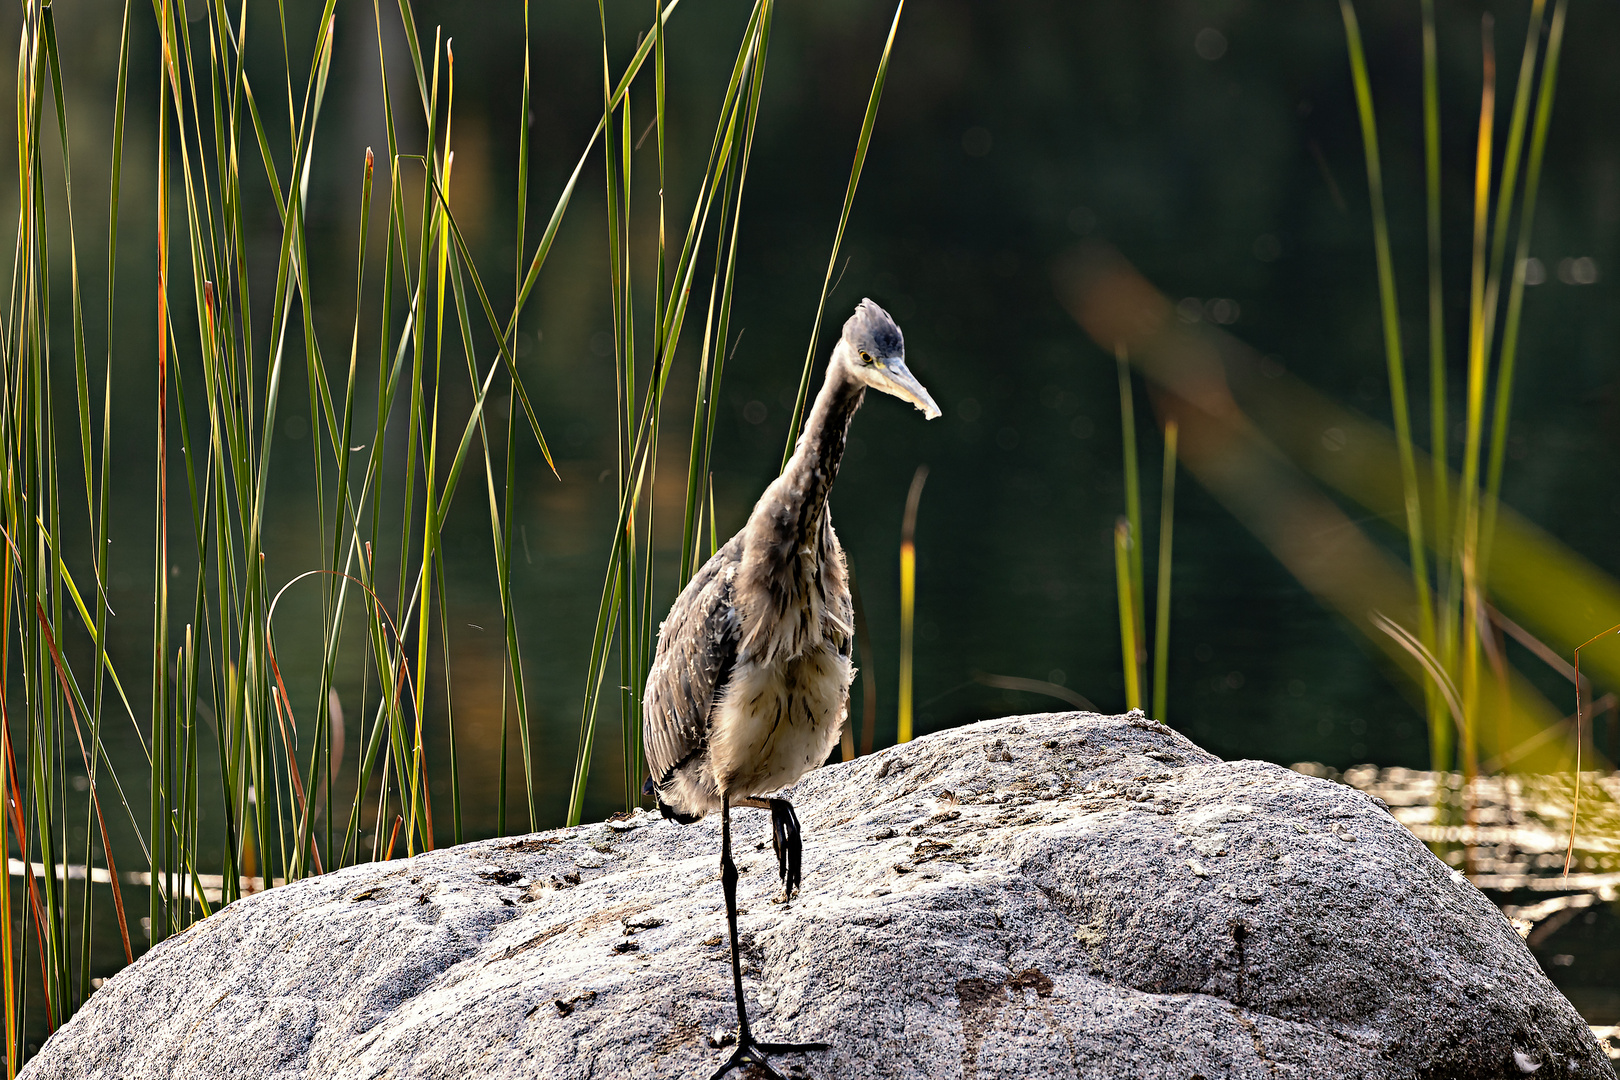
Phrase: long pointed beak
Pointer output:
(904, 385)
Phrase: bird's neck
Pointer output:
(814, 466)
(791, 566)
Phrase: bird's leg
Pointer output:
(789, 847)
(728, 883)
(785, 839)
(748, 1051)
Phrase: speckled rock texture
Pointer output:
(1064, 895)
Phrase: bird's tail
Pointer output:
(650, 788)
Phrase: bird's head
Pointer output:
(873, 353)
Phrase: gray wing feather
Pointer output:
(844, 608)
(697, 648)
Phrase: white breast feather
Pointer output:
(779, 721)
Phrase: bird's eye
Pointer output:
(866, 358)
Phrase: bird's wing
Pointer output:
(844, 631)
(697, 647)
(840, 604)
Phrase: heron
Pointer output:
(749, 688)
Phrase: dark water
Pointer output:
(1213, 144)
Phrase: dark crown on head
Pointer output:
(872, 329)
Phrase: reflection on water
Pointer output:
(1511, 833)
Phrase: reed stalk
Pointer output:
(1512, 155)
(625, 615)
(1128, 631)
(228, 745)
(862, 144)
(625, 608)
(216, 666)
(908, 598)
(1465, 512)
(1441, 730)
(1510, 331)
(1469, 526)
(1389, 309)
(1133, 516)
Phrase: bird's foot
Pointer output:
(785, 838)
(753, 1053)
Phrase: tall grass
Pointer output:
(38, 585)
(625, 615)
(1394, 359)
(1135, 652)
(626, 604)
(1128, 540)
(908, 598)
(1129, 624)
(245, 784)
(1461, 517)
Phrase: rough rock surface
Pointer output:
(1065, 895)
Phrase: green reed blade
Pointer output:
(1510, 332)
(625, 354)
(1511, 156)
(1127, 613)
(438, 166)
(513, 674)
(48, 794)
(177, 838)
(503, 336)
(606, 620)
(732, 189)
(500, 537)
(1440, 730)
(908, 598)
(156, 912)
(407, 743)
(721, 157)
(1133, 500)
(95, 625)
(1466, 545)
(81, 374)
(1390, 311)
(638, 437)
(861, 145)
(623, 555)
(449, 709)
(522, 164)
(1504, 207)
(334, 598)
(99, 516)
(514, 654)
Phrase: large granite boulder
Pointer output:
(1064, 895)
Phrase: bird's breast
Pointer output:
(778, 721)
